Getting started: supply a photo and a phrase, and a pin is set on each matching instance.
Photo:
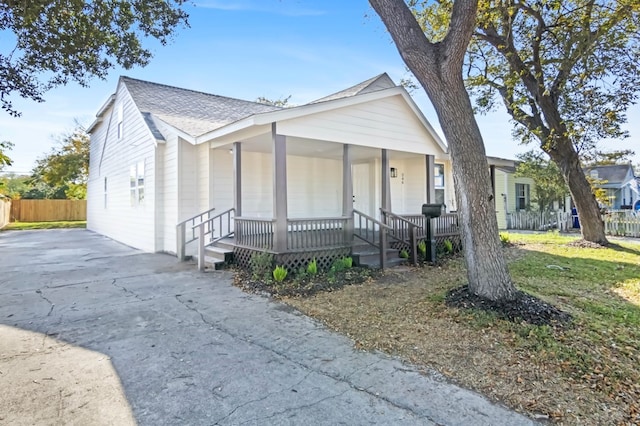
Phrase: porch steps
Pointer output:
(217, 255)
(365, 255)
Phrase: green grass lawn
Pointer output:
(585, 373)
(23, 226)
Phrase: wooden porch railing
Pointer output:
(403, 230)
(373, 232)
(212, 230)
(312, 233)
(186, 232)
(444, 226)
(254, 233)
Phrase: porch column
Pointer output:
(386, 181)
(279, 154)
(347, 191)
(237, 178)
(431, 187)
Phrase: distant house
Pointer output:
(164, 159)
(620, 183)
(512, 193)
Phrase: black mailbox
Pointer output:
(432, 210)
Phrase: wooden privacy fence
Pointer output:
(48, 210)
(5, 212)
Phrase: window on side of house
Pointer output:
(438, 182)
(522, 196)
(120, 120)
(136, 183)
(105, 192)
(140, 179)
(133, 187)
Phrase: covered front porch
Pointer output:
(318, 180)
(301, 199)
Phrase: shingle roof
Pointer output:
(613, 174)
(382, 81)
(193, 112)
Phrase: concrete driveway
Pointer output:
(189, 348)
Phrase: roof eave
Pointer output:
(107, 104)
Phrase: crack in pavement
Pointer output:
(299, 364)
(361, 369)
(309, 372)
(126, 290)
(299, 407)
(48, 301)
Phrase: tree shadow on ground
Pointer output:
(554, 286)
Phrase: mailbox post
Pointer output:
(431, 211)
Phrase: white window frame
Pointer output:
(136, 183)
(522, 195)
(120, 121)
(439, 181)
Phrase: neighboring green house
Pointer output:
(512, 194)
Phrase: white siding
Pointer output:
(222, 179)
(314, 187)
(502, 196)
(385, 123)
(112, 158)
(409, 189)
(203, 169)
(257, 184)
(168, 210)
(188, 194)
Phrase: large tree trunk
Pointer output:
(486, 269)
(591, 224)
(438, 67)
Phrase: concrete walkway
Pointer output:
(189, 348)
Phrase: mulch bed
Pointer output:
(303, 287)
(523, 308)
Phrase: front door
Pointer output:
(362, 188)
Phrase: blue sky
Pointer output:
(251, 48)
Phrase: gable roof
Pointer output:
(201, 116)
(379, 82)
(613, 174)
(191, 111)
(319, 107)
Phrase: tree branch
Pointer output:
(411, 41)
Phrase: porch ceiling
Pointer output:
(305, 147)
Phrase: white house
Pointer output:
(165, 159)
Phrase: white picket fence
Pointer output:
(620, 222)
(536, 221)
(625, 223)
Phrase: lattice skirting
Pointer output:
(294, 261)
(455, 240)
